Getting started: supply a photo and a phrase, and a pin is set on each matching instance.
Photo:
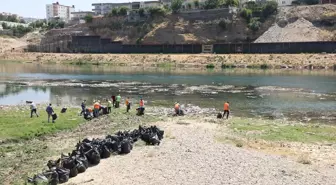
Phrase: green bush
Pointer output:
(189, 6)
(196, 4)
(223, 23)
(269, 8)
(309, 2)
(254, 24)
(210, 66)
(142, 12)
(246, 14)
(88, 18)
(156, 12)
(212, 4)
(114, 12)
(176, 5)
(234, 3)
(122, 11)
(263, 66)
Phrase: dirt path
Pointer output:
(189, 154)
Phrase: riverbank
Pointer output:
(263, 61)
(198, 138)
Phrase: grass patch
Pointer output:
(16, 124)
(165, 65)
(277, 131)
(210, 66)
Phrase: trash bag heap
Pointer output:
(90, 152)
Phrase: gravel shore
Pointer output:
(190, 154)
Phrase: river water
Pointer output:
(307, 96)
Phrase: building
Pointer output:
(284, 2)
(55, 10)
(80, 14)
(105, 8)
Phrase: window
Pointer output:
(283, 2)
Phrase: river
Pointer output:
(307, 96)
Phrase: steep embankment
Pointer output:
(8, 43)
(303, 23)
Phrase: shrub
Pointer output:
(310, 2)
(239, 145)
(269, 8)
(212, 4)
(234, 3)
(196, 4)
(156, 12)
(210, 66)
(254, 24)
(122, 11)
(114, 12)
(246, 14)
(263, 66)
(176, 5)
(296, 3)
(223, 23)
(88, 18)
(142, 12)
(189, 6)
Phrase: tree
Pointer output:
(254, 24)
(156, 12)
(122, 11)
(196, 4)
(269, 8)
(246, 13)
(176, 5)
(310, 2)
(114, 12)
(22, 21)
(142, 12)
(4, 25)
(88, 18)
(189, 6)
(212, 4)
(234, 3)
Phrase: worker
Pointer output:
(177, 108)
(113, 100)
(96, 107)
(118, 98)
(83, 105)
(226, 110)
(141, 108)
(50, 111)
(109, 106)
(128, 104)
(33, 109)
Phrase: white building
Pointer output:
(80, 14)
(284, 2)
(105, 8)
(62, 12)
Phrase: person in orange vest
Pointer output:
(141, 108)
(177, 108)
(128, 104)
(96, 107)
(226, 110)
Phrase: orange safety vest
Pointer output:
(177, 106)
(126, 102)
(96, 106)
(141, 103)
(90, 110)
(226, 106)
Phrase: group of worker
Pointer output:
(97, 107)
(50, 112)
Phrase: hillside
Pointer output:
(303, 23)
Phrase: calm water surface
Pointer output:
(298, 95)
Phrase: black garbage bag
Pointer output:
(73, 172)
(125, 147)
(63, 174)
(53, 164)
(219, 116)
(105, 152)
(52, 176)
(64, 109)
(93, 156)
(68, 163)
(154, 141)
(38, 179)
(54, 116)
(84, 160)
(80, 166)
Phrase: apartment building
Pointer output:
(56, 10)
(105, 8)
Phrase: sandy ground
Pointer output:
(190, 154)
(298, 61)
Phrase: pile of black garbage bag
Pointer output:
(90, 152)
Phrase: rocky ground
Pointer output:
(187, 61)
(190, 154)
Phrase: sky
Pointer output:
(37, 8)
